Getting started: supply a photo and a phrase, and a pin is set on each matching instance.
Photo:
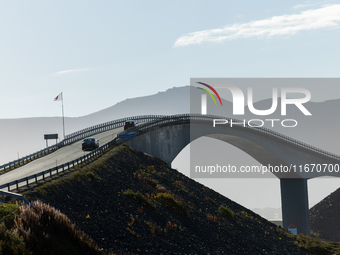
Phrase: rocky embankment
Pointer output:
(324, 217)
(132, 203)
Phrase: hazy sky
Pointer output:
(102, 52)
(99, 53)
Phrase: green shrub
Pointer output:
(171, 203)
(224, 210)
(90, 175)
(139, 198)
(314, 246)
(10, 243)
(145, 171)
(8, 212)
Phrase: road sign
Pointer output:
(127, 136)
(51, 136)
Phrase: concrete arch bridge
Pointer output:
(166, 137)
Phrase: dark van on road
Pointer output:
(130, 124)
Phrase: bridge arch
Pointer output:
(166, 138)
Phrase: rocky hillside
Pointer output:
(132, 203)
(324, 217)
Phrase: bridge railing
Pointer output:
(26, 159)
(60, 169)
(13, 195)
(281, 137)
(73, 137)
(108, 126)
(187, 118)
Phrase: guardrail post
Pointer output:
(8, 187)
(27, 181)
(57, 170)
(51, 172)
(44, 175)
(36, 179)
(17, 184)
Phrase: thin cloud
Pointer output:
(299, 6)
(73, 71)
(322, 18)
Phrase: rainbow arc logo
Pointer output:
(212, 89)
(204, 97)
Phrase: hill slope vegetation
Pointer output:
(324, 217)
(129, 202)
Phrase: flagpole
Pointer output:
(62, 106)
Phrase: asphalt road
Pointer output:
(61, 156)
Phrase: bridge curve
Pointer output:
(166, 137)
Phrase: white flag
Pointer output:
(59, 97)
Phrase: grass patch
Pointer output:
(153, 227)
(181, 185)
(10, 243)
(314, 246)
(8, 212)
(53, 232)
(224, 210)
(171, 203)
(139, 198)
(317, 236)
(90, 175)
(85, 173)
(246, 215)
(153, 183)
(145, 171)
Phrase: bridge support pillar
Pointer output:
(294, 201)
